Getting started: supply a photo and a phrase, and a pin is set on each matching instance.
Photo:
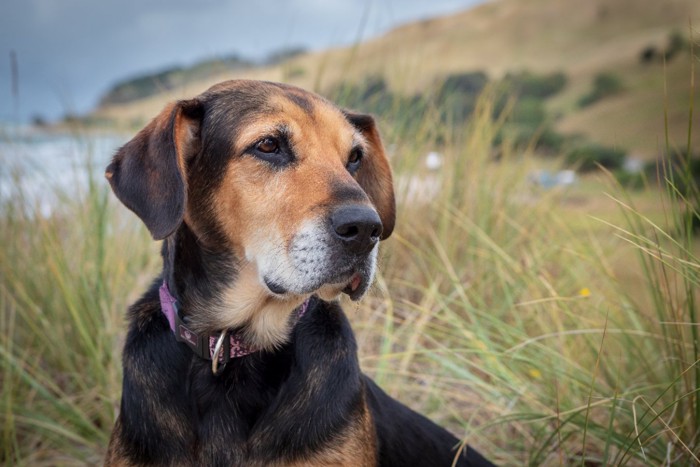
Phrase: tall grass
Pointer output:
(65, 281)
(502, 314)
(498, 312)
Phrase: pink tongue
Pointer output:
(355, 283)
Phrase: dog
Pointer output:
(271, 203)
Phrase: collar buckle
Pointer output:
(222, 343)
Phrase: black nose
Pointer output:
(358, 227)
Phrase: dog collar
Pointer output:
(214, 347)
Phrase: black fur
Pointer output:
(405, 437)
(266, 407)
(151, 165)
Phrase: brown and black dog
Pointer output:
(271, 202)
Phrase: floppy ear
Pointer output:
(374, 174)
(148, 173)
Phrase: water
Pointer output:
(39, 164)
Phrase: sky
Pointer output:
(69, 52)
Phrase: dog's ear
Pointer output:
(374, 174)
(148, 173)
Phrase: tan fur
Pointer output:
(115, 456)
(356, 447)
(247, 303)
(186, 140)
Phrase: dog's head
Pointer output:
(297, 190)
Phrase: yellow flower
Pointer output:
(535, 373)
(584, 292)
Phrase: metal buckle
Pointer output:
(217, 350)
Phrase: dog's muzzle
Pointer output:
(335, 254)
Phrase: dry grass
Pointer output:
(494, 314)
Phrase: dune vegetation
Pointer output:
(545, 325)
(538, 326)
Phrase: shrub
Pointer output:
(372, 95)
(604, 85)
(677, 42)
(527, 84)
(456, 96)
(471, 83)
(529, 112)
(630, 180)
(649, 54)
(682, 169)
(591, 156)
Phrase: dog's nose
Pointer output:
(358, 227)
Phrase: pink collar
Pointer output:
(205, 346)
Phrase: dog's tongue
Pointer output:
(355, 282)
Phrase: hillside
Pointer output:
(581, 39)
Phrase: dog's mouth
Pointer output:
(354, 287)
(275, 287)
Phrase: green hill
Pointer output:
(581, 40)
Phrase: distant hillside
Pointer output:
(150, 84)
(581, 40)
(146, 85)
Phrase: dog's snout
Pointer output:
(357, 227)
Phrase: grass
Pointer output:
(502, 311)
(508, 322)
(65, 284)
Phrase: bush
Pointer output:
(457, 95)
(604, 85)
(529, 112)
(649, 54)
(591, 156)
(372, 95)
(630, 180)
(677, 42)
(527, 84)
(683, 170)
(471, 83)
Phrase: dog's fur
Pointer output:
(244, 184)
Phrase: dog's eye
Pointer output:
(274, 150)
(267, 145)
(354, 160)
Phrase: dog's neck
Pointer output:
(217, 291)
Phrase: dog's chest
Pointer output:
(291, 442)
(304, 405)
(312, 415)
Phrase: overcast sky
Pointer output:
(70, 51)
